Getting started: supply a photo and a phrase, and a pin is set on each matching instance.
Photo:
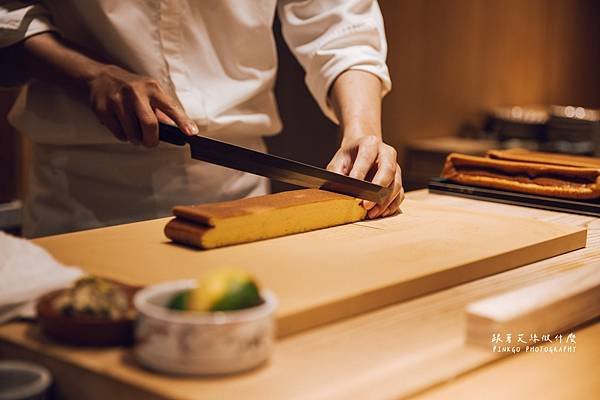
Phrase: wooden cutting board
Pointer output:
(333, 273)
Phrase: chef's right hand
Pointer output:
(131, 106)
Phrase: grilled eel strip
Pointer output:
(552, 178)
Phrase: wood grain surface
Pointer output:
(412, 348)
(326, 275)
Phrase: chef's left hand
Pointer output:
(369, 158)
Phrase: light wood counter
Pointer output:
(409, 348)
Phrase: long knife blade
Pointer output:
(282, 169)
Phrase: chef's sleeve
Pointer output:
(329, 37)
(22, 19)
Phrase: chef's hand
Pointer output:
(356, 99)
(131, 106)
(367, 157)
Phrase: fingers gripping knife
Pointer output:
(231, 156)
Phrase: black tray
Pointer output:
(585, 207)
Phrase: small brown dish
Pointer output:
(85, 330)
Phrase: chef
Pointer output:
(102, 73)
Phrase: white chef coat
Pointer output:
(217, 57)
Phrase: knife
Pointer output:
(282, 169)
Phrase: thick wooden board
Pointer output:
(333, 273)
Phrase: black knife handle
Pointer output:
(171, 134)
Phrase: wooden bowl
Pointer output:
(85, 330)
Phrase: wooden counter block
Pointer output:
(333, 273)
(547, 307)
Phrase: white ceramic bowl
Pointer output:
(200, 343)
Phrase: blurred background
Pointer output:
(468, 75)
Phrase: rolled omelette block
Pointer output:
(214, 225)
(525, 177)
